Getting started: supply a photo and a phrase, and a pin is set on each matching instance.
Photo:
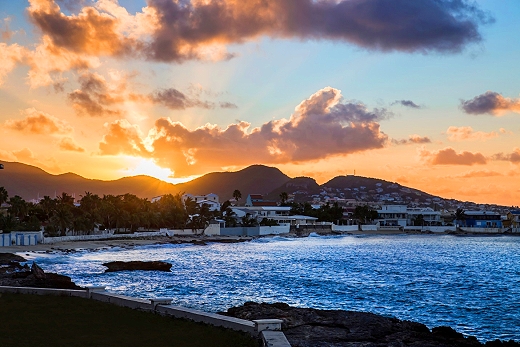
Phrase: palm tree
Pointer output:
(237, 195)
(283, 198)
(418, 220)
(460, 216)
(3, 195)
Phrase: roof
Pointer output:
(296, 217)
(481, 213)
(265, 203)
(256, 196)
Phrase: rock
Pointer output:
(16, 275)
(37, 271)
(6, 258)
(306, 327)
(137, 265)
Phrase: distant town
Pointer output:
(381, 208)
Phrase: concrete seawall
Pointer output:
(268, 330)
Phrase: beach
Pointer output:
(121, 243)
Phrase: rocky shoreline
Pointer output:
(307, 327)
(13, 274)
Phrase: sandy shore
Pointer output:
(123, 243)
(199, 240)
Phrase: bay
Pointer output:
(469, 283)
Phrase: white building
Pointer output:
(401, 215)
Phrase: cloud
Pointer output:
(10, 56)
(176, 31)
(467, 134)
(227, 105)
(67, 144)
(412, 139)
(479, 173)
(406, 103)
(176, 100)
(492, 103)
(321, 126)
(122, 137)
(94, 98)
(448, 156)
(98, 97)
(38, 122)
(48, 61)
(513, 157)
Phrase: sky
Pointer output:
(423, 93)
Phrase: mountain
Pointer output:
(30, 182)
(255, 179)
(373, 189)
(300, 187)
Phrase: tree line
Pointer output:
(123, 213)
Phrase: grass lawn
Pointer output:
(33, 320)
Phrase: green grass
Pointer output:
(33, 320)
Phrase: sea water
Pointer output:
(469, 283)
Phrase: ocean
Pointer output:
(469, 283)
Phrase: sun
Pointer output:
(148, 167)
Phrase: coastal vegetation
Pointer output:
(128, 213)
(83, 322)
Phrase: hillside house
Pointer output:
(483, 219)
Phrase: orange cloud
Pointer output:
(479, 173)
(67, 144)
(10, 55)
(122, 137)
(492, 103)
(38, 122)
(467, 134)
(90, 32)
(448, 156)
(321, 126)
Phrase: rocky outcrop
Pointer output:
(6, 258)
(137, 265)
(306, 327)
(16, 275)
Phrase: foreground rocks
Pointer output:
(137, 265)
(13, 274)
(306, 327)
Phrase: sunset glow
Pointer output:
(178, 89)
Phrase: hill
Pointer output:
(255, 179)
(300, 187)
(373, 189)
(30, 182)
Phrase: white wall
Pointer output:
(274, 230)
(344, 228)
(20, 238)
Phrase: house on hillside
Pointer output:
(392, 216)
(252, 198)
(257, 200)
(483, 219)
(513, 218)
(212, 200)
